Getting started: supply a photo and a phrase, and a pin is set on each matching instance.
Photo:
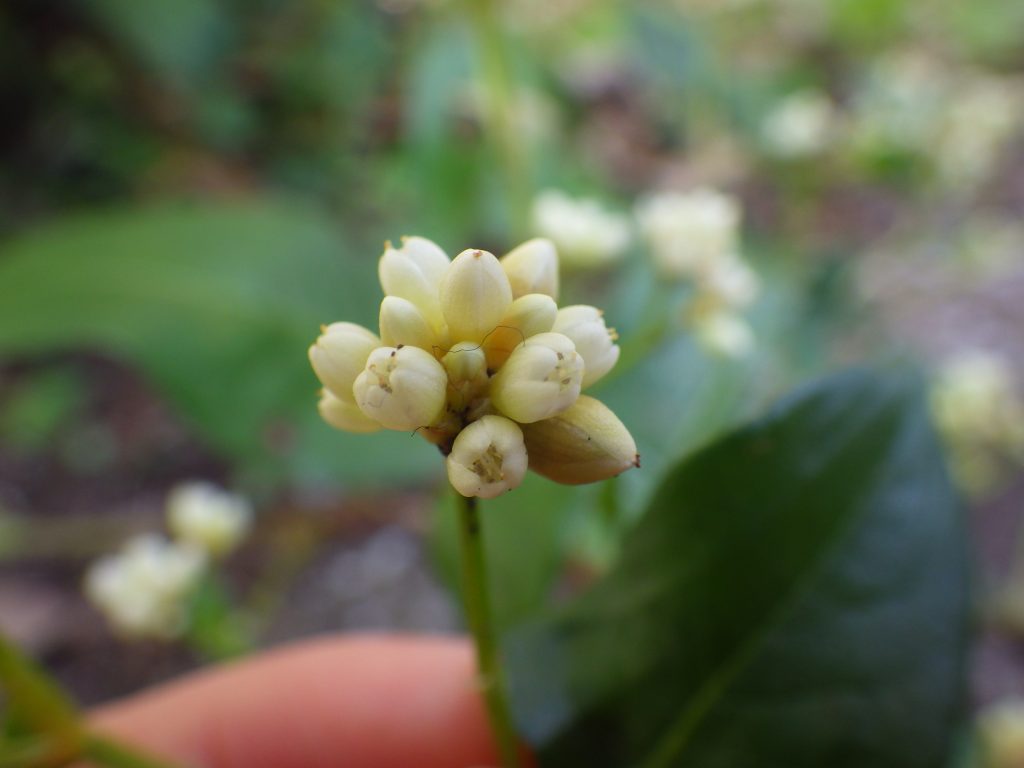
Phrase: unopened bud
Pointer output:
(403, 388)
(487, 458)
(207, 517)
(529, 315)
(540, 379)
(467, 373)
(584, 444)
(402, 323)
(475, 295)
(413, 272)
(724, 333)
(339, 355)
(594, 341)
(344, 415)
(532, 268)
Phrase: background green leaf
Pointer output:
(794, 596)
(216, 304)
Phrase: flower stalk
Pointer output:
(481, 624)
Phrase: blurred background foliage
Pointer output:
(187, 190)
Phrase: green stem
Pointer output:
(479, 617)
(500, 106)
(110, 753)
(49, 714)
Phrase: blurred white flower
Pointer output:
(688, 232)
(534, 116)
(980, 415)
(1000, 732)
(899, 103)
(142, 589)
(586, 234)
(694, 236)
(730, 282)
(724, 333)
(983, 113)
(800, 125)
(207, 517)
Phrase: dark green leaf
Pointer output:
(794, 596)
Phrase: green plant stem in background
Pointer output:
(38, 702)
(58, 736)
(481, 624)
(104, 751)
(499, 106)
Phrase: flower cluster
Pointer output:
(207, 517)
(802, 124)
(1000, 735)
(475, 355)
(980, 415)
(586, 234)
(695, 236)
(144, 588)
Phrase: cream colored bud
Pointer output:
(413, 272)
(529, 315)
(475, 295)
(208, 517)
(465, 363)
(339, 355)
(532, 268)
(540, 379)
(594, 341)
(467, 373)
(585, 444)
(725, 333)
(344, 415)
(144, 588)
(402, 323)
(403, 388)
(487, 458)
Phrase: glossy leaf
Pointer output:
(794, 596)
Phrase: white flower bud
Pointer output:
(413, 272)
(403, 388)
(529, 315)
(802, 124)
(142, 589)
(688, 232)
(541, 378)
(475, 295)
(466, 365)
(344, 415)
(1000, 734)
(532, 268)
(584, 444)
(585, 233)
(487, 458)
(207, 517)
(402, 323)
(731, 281)
(594, 341)
(725, 333)
(339, 355)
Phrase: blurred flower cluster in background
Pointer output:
(756, 192)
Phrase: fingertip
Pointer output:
(377, 701)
